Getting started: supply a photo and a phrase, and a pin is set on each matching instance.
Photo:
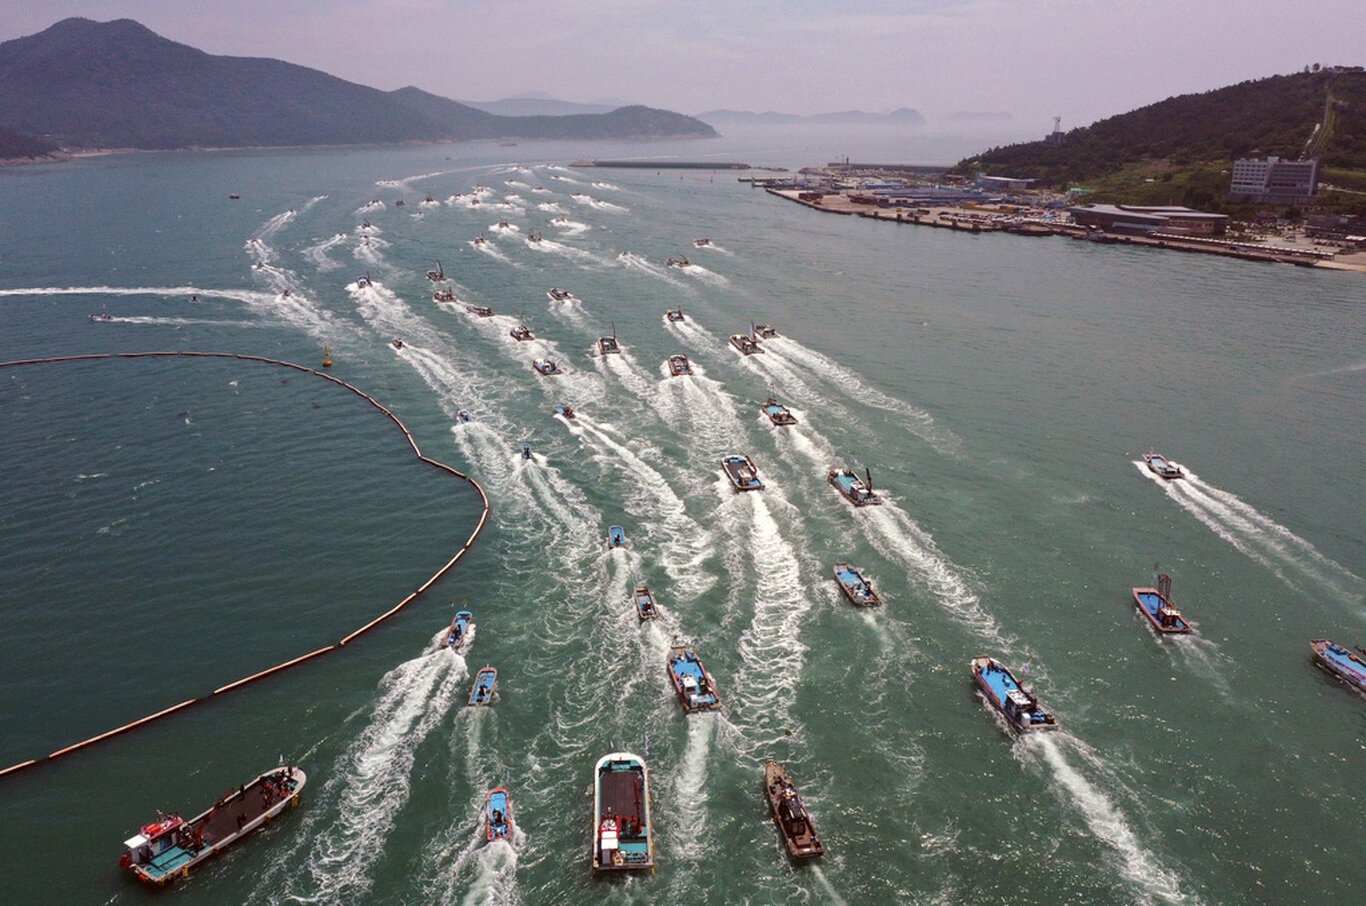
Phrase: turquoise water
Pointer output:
(174, 524)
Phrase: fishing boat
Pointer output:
(546, 366)
(482, 311)
(484, 681)
(498, 814)
(522, 332)
(437, 275)
(743, 474)
(679, 365)
(852, 488)
(364, 281)
(763, 331)
(789, 813)
(463, 415)
(701, 242)
(674, 314)
(623, 839)
(1004, 693)
(691, 681)
(745, 343)
(480, 239)
(616, 536)
(856, 588)
(460, 627)
(1342, 663)
(101, 316)
(559, 295)
(609, 345)
(778, 413)
(533, 237)
(679, 262)
(1156, 605)
(645, 603)
(526, 451)
(444, 295)
(566, 411)
(398, 343)
(169, 847)
(400, 203)
(1161, 466)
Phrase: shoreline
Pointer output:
(983, 219)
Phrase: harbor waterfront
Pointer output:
(175, 523)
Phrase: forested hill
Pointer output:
(1280, 115)
(14, 146)
(86, 84)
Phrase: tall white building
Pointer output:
(1274, 181)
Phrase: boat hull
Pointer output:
(645, 603)
(1162, 616)
(484, 684)
(1340, 662)
(1010, 699)
(1162, 467)
(498, 814)
(743, 474)
(623, 837)
(852, 488)
(745, 344)
(460, 628)
(856, 588)
(692, 683)
(789, 814)
(233, 817)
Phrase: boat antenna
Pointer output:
(868, 473)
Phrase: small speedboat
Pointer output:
(691, 681)
(398, 343)
(1156, 605)
(546, 366)
(559, 295)
(480, 239)
(566, 411)
(444, 295)
(169, 847)
(437, 275)
(679, 262)
(674, 314)
(701, 242)
(460, 627)
(789, 813)
(743, 474)
(609, 345)
(482, 693)
(1342, 663)
(778, 413)
(102, 316)
(855, 587)
(623, 839)
(526, 451)
(498, 814)
(679, 365)
(463, 415)
(522, 332)
(364, 281)
(482, 311)
(1161, 466)
(745, 343)
(616, 536)
(645, 603)
(852, 488)
(763, 331)
(1004, 693)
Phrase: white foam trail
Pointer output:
(550, 207)
(706, 276)
(897, 536)
(635, 262)
(318, 253)
(1138, 866)
(688, 820)
(1286, 555)
(808, 360)
(372, 783)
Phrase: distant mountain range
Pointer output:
(83, 84)
(903, 116)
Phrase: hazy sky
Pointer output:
(1080, 59)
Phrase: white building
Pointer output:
(1274, 181)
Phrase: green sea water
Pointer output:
(173, 524)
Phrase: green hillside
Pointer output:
(1179, 150)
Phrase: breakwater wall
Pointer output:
(303, 658)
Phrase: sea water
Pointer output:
(173, 524)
